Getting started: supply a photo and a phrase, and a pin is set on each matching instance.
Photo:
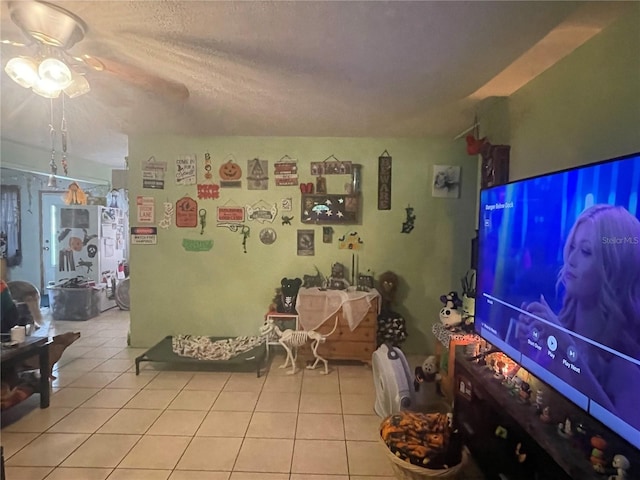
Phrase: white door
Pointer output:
(48, 228)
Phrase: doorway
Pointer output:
(48, 228)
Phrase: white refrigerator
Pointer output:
(90, 241)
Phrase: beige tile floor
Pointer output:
(105, 422)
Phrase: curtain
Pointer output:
(10, 225)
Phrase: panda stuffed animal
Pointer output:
(450, 316)
(427, 375)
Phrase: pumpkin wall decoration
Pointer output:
(230, 175)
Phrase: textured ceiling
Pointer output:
(372, 69)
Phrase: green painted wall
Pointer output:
(584, 109)
(227, 292)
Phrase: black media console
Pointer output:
(493, 421)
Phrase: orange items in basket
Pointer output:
(419, 438)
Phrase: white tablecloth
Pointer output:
(315, 306)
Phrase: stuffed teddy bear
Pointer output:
(450, 316)
(288, 293)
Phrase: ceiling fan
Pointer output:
(51, 31)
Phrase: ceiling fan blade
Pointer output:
(140, 78)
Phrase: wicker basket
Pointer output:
(404, 470)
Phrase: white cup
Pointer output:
(18, 334)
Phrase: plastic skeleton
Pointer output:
(293, 339)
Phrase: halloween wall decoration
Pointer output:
(446, 181)
(168, 215)
(286, 204)
(186, 212)
(384, 181)
(350, 241)
(153, 174)
(202, 213)
(306, 187)
(408, 224)
(330, 209)
(286, 171)
(262, 211)
(75, 195)
(245, 230)
(230, 213)
(197, 245)
(327, 234)
(306, 242)
(208, 175)
(495, 165)
(286, 220)
(230, 174)
(146, 209)
(474, 145)
(186, 170)
(268, 236)
(207, 189)
(330, 166)
(257, 177)
(144, 235)
(321, 184)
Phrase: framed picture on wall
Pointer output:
(306, 242)
(446, 181)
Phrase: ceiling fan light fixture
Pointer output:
(23, 71)
(78, 86)
(56, 72)
(46, 89)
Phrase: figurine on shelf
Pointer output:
(621, 464)
(564, 429)
(337, 280)
(525, 392)
(545, 416)
(597, 457)
(539, 400)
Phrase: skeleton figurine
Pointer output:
(293, 339)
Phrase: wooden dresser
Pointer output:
(343, 344)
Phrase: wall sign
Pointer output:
(146, 209)
(186, 212)
(262, 211)
(230, 214)
(186, 170)
(257, 174)
(331, 166)
(384, 181)
(197, 245)
(286, 171)
(144, 235)
(153, 174)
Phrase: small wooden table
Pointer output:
(32, 346)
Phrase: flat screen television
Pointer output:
(558, 284)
